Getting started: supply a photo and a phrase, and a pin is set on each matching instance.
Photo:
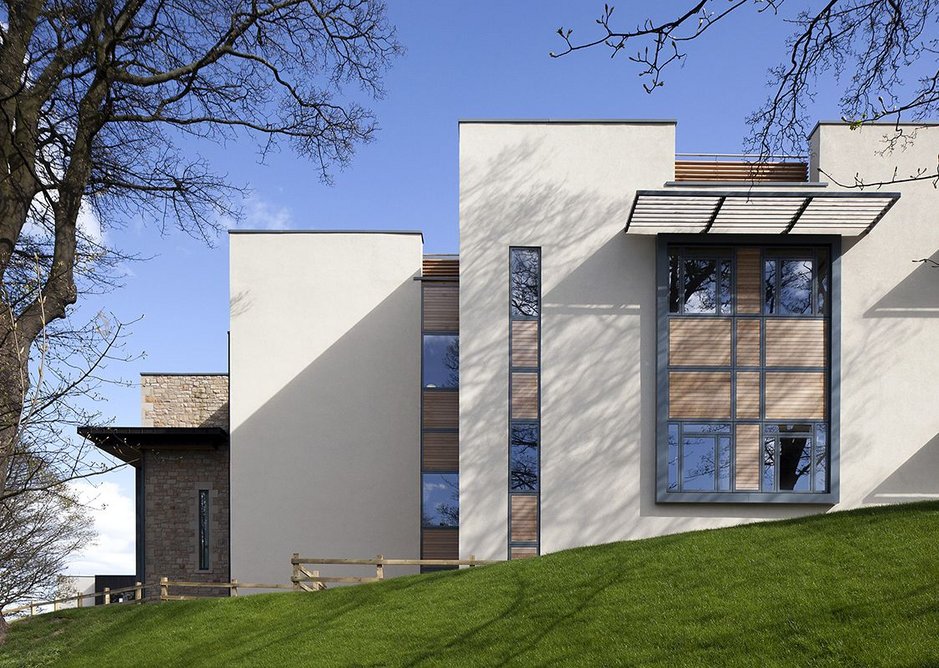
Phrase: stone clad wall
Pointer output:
(184, 400)
(172, 480)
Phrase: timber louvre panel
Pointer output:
(796, 342)
(747, 473)
(748, 395)
(525, 343)
(524, 395)
(699, 394)
(441, 307)
(738, 170)
(699, 341)
(440, 543)
(749, 281)
(524, 518)
(748, 341)
(441, 451)
(795, 395)
(441, 409)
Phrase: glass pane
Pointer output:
(769, 464)
(707, 428)
(769, 286)
(795, 287)
(723, 471)
(523, 459)
(700, 286)
(203, 529)
(795, 463)
(440, 505)
(673, 279)
(697, 464)
(793, 428)
(672, 457)
(441, 360)
(823, 281)
(726, 291)
(821, 458)
(525, 282)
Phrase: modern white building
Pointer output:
(629, 343)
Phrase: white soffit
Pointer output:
(757, 212)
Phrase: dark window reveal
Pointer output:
(525, 282)
(441, 360)
(523, 458)
(204, 530)
(440, 506)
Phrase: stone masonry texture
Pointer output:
(190, 400)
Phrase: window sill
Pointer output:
(794, 498)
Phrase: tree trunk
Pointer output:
(3, 629)
(12, 394)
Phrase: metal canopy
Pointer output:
(757, 212)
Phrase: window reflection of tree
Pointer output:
(444, 514)
(451, 362)
(523, 474)
(704, 287)
(525, 282)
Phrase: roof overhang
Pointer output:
(125, 443)
(755, 211)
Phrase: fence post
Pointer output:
(234, 587)
(164, 588)
(78, 602)
(472, 563)
(107, 596)
(55, 605)
(32, 607)
(295, 560)
(380, 567)
(138, 592)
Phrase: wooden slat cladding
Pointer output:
(524, 518)
(441, 544)
(748, 342)
(525, 343)
(796, 342)
(699, 341)
(794, 395)
(749, 281)
(441, 267)
(441, 409)
(524, 396)
(747, 465)
(524, 552)
(699, 394)
(441, 451)
(748, 395)
(441, 307)
(712, 170)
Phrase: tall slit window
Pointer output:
(745, 367)
(204, 523)
(524, 429)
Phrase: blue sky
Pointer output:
(483, 59)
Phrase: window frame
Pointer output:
(781, 242)
(204, 548)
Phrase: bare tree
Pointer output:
(38, 532)
(881, 52)
(96, 100)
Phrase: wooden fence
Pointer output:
(232, 587)
(307, 580)
(35, 607)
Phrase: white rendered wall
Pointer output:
(889, 320)
(567, 187)
(325, 399)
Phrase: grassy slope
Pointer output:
(855, 588)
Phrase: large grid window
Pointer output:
(524, 442)
(745, 358)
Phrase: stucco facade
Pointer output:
(567, 188)
(325, 398)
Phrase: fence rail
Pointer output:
(232, 587)
(307, 580)
(106, 593)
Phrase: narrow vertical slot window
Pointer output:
(204, 561)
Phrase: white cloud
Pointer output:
(89, 225)
(112, 513)
(260, 214)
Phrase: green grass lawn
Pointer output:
(858, 588)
